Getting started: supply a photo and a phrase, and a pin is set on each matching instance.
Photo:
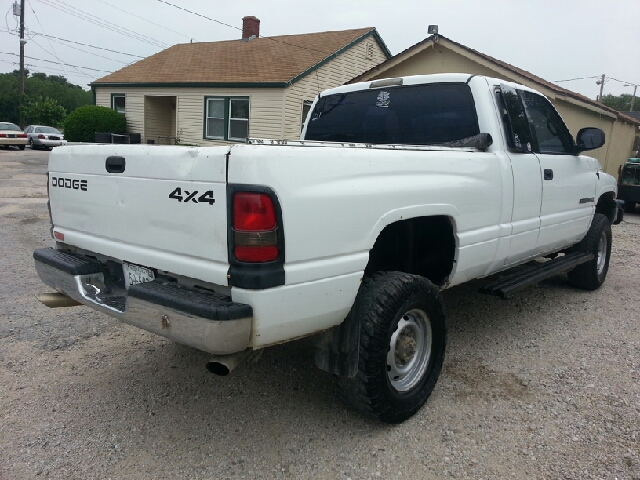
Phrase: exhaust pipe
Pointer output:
(223, 365)
(57, 300)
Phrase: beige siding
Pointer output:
(334, 73)
(434, 60)
(440, 59)
(265, 104)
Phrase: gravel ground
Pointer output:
(545, 385)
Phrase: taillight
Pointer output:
(3, 135)
(255, 230)
(41, 137)
(21, 135)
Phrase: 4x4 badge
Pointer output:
(206, 197)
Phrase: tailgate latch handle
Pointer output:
(115, 164)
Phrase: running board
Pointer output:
(515, 282)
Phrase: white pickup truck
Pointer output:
(398, 189)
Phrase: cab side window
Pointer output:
(514, 119)
(551, 135)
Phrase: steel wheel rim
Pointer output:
(602, 252)
(409, 350)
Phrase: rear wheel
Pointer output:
(21, 147)
(402, 345)
(629, 207)
(591, 275)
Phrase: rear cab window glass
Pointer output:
(428, 114)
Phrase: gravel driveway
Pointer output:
(545, 385)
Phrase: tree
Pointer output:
(37, 85)
(622, 103)
(44, 111)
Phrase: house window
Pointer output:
(118, 102)
(226, 118)
(306, 106)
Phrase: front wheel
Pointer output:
(591, 275)
(401, 349)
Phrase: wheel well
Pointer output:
(423, 246)
(607, 206)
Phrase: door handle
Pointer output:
(548, 174)
(115, 164)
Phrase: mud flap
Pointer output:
(336, 349)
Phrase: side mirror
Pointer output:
(589, 138)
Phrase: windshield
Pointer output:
(412, 115)
(630, 174)
(46, 130)
(9, 126)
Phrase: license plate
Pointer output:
(134, 274)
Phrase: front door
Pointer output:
(568, 180)
(527, 179)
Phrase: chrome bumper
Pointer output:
(219, 337)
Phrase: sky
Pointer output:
(554, 39)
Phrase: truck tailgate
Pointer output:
(166, 210)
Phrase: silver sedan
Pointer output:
(44, 137)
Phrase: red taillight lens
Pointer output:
(255, 228)
(41, 136)
(3, 135)
(253, 212)
(22, 135)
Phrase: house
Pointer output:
(438, 54)
(217, 92)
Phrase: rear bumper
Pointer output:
(13, 141)
(48, 143)
(200, 319)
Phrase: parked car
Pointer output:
(12, 136)
(41, 136)
(629, 184)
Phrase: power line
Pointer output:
(142, 18)
(51, 61)
(200, 15)
(42, 69)
(54, 51)
(63, 6)
(77, 43)
(237, 28)
(579, 78)
(104, 23)
(622, 81)
(84, 51)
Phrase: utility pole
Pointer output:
(633, 99)
(601, 83)
(22, 42)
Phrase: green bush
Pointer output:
(82, 124)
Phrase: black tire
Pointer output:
(629, 207)
(388, 305)
(21, 147)
(591, 275)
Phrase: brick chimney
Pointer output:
(250, 27)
